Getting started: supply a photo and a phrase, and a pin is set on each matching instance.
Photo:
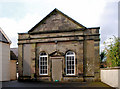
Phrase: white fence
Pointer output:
(111, 76)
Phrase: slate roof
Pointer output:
(14, 54)
(3, 37)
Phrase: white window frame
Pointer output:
(39, 63)
(73, 55)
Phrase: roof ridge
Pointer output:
(3, 33)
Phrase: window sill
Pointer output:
(70, 76)
(44, 76)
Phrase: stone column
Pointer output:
(37, 61)
(20, 60)
(97, 61)
(89, 57)
(33, 54)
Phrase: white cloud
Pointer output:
(12, 27)
(87, 12)
(108, 40)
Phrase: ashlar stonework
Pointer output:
(59, 49)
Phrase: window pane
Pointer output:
(45, 59)
(68, 71)
(72, 71)
(41, 71)
(72, 58)
(45, 71)
(72, 62)
(70, 53)
(40, 63)
(41, 67)
(42, 59)
(67, 62)
(68, 67)
(44, 67)
(42, 54)
(72, 67)
(45, 63)
(68, 58)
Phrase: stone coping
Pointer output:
(110, 68)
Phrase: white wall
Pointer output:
(5, 62)
(111, 77)
(0, 61)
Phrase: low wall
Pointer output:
(13, 75)
(111, 76)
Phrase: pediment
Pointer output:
(56, 54)
(56, 20)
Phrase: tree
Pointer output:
(102, 56)
(112, 51)
(103, 60)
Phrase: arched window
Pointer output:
(70, 63)
(43, 64)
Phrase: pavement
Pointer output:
(51, 85)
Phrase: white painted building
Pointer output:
(4, 57)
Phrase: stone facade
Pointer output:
(56, 35)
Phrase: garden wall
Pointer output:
(111, 76)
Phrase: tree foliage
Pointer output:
(102, 56)
(112, 51)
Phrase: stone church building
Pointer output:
(59, 49)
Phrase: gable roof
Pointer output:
(3, 37)
(52, 13)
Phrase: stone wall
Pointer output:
(59, 33)
(63, 47)
(56, 22)
(13, 75)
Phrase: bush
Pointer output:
(112, 51)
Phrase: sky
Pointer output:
(19, 16)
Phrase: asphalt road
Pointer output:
(52, 85)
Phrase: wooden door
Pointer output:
(56, 69)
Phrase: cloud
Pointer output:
(86, 12)
(90, 13)
(12, 27)
(109, 22)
